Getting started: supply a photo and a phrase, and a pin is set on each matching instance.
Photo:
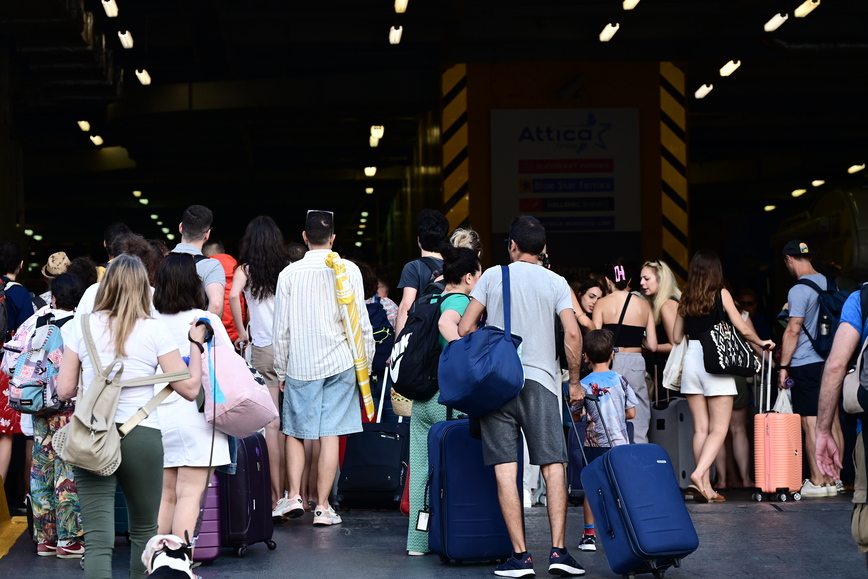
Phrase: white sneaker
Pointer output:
(839, 487)
(281, 507)
(324, 517)
(810, 490)
(528, 499)
(831, 490)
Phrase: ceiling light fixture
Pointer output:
(373, 141)
(369, 190)
(143, 201)
(362, 226)
(818, 182)
(855, 168)
(730, 67)
(401, 6)
(609, 31)
(775, 22)
(28, 232)
(143, 76)
(378, 131)
(703, 91)
(37, 237)
(154, 216)
(370, 171)
(629, 4)
(126, 38)
(84, 126)
(806, 8)
(799, 192)
(768, 208)
(170, 236)
(165, 230)
(137, 194)
(360, 232)
(363, 220)
(364, 213)
(358, 244)
(395, 33)
(110, 7)
(159, 222)
(96, 140)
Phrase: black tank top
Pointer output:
(630, 336)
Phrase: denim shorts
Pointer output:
(326, 407)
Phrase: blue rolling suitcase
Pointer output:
(465, 520)
(575, 442)
(640, 514)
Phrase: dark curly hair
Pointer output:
(263, 251)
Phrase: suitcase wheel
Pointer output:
(782, 497)
(758, 497)
(240, 551)
(659, 573)
(797, 496)
(271, 545)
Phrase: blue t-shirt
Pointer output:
(851, 313)
(615, 397)
(804, 303)
(19, 306)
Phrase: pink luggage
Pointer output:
(777, 446)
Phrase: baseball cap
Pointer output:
(796, 247)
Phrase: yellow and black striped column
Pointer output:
(456, 191)
(673, 152)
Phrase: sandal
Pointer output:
(698, 495)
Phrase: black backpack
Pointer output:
(830, 303)
(433, 288)
(416, 354)
(384, 334)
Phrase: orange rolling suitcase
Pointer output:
(777, 445)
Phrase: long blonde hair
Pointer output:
(125, 293)
(667, 286)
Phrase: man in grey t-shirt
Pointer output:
(802, 364)
(537, 296)
(195, 230)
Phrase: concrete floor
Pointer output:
(738, 538)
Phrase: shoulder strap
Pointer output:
(60, 323)
(719, 312)
(430, 263)
(199, 257)
(621, 319)
(146, 410)
(507, 311)
(810, 284)
(863, 302)
(88, 340)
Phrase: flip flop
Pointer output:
(698, 495)
(718, 498)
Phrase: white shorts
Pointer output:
(695, 380)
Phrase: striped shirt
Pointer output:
(310, 340)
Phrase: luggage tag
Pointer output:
(422, 520)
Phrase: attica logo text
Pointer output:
(577, 137)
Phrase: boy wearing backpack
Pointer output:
(802, 363)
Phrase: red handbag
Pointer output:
(405, 496)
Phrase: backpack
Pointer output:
(384, 334)
(416, 354)
(855, 388)
(830, 303)
(34, 362)
(433, 288)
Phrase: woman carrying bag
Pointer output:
(709, 395)
(122, 328)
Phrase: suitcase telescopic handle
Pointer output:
(576, 430)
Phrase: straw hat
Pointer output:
(57, 264)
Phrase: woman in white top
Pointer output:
(122, 327)
(262, 255)
(187, 436)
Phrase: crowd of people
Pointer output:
(277, 304)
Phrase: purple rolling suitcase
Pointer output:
(208, 538)
(245, 498)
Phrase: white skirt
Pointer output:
(695, 380)
(187, 436)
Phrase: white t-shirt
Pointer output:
(88, 300)
(149, 340)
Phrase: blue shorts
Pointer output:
(326, 407)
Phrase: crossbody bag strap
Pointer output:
(88, 341)
(146, 410)
(621, 319)
(507, 310)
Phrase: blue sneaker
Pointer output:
(562, 563)
(516, 567)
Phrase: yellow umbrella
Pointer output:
(347, 301)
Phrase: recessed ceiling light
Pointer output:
(159, 222)
(363, 220)
(28, 232)
(126, 38)
(855, 168)
(362, 225)
(629, 4)
(370, 171)
(369, 190)
(84, 126)
(143, 76)
(373, 141)
(378, 131)
(806, 8)
(609, 31)
(395, 33)
(364, 213)
(703, 91)
(154, 216)
(358, 244)
(818, 182)
(96, 140)
(730, 67)
(170, 236)
(799, 192)
(37, 237)
(775, 22)
(137, 194)
(769, 207)
(401, 6)
(143, 201)
(165, 230)
(110, 7)
(360, 232)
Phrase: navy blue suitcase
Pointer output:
(575, 440)
(465, 521)
(245, 498)
(640, 514)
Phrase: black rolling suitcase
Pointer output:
(375, 466)
(245, 498)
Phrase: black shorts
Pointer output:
(536, 413)
(806, 388)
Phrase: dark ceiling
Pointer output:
(265, 106)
